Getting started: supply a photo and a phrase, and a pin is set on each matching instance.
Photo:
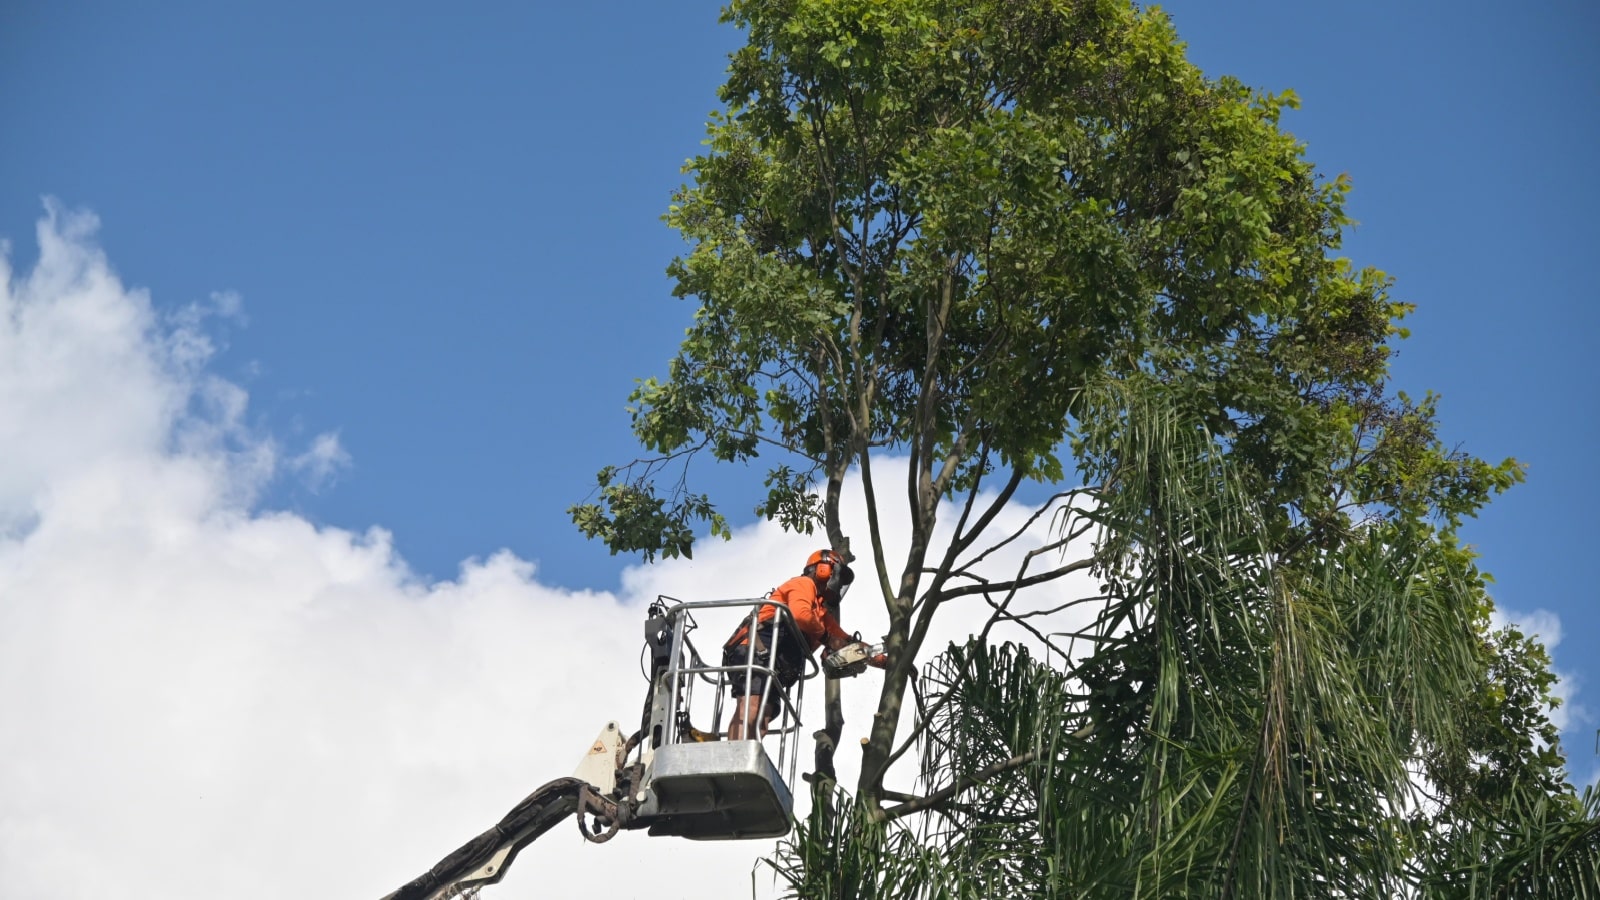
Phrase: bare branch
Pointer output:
(963, 539)
(917, 804)
(1011, 587)
(1064, 498)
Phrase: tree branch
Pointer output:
(962, 539)
(1013, 586)
(918, 804)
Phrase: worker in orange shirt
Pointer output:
(812, 598)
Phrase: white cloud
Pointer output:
(1542, 623)
(78, 380)
(322, 461)
(204, 699)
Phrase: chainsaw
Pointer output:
(852, 659)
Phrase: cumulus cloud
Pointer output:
(207, 699)
(79, 383)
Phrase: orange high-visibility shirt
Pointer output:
(811, 615)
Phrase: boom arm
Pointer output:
(485, 858)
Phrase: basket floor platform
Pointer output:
(725, 790)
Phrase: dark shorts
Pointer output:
(788, 663)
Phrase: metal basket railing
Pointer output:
(686, 668)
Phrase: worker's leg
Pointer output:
(744, 718)
(746, 696)
(743, 726)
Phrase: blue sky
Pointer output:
(445, 227)
(442, 225)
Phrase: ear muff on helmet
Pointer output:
(829, 567)
(821, 564)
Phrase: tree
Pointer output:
(982, 235)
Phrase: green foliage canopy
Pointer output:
(925, 226)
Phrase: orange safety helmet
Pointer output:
(830, 567)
